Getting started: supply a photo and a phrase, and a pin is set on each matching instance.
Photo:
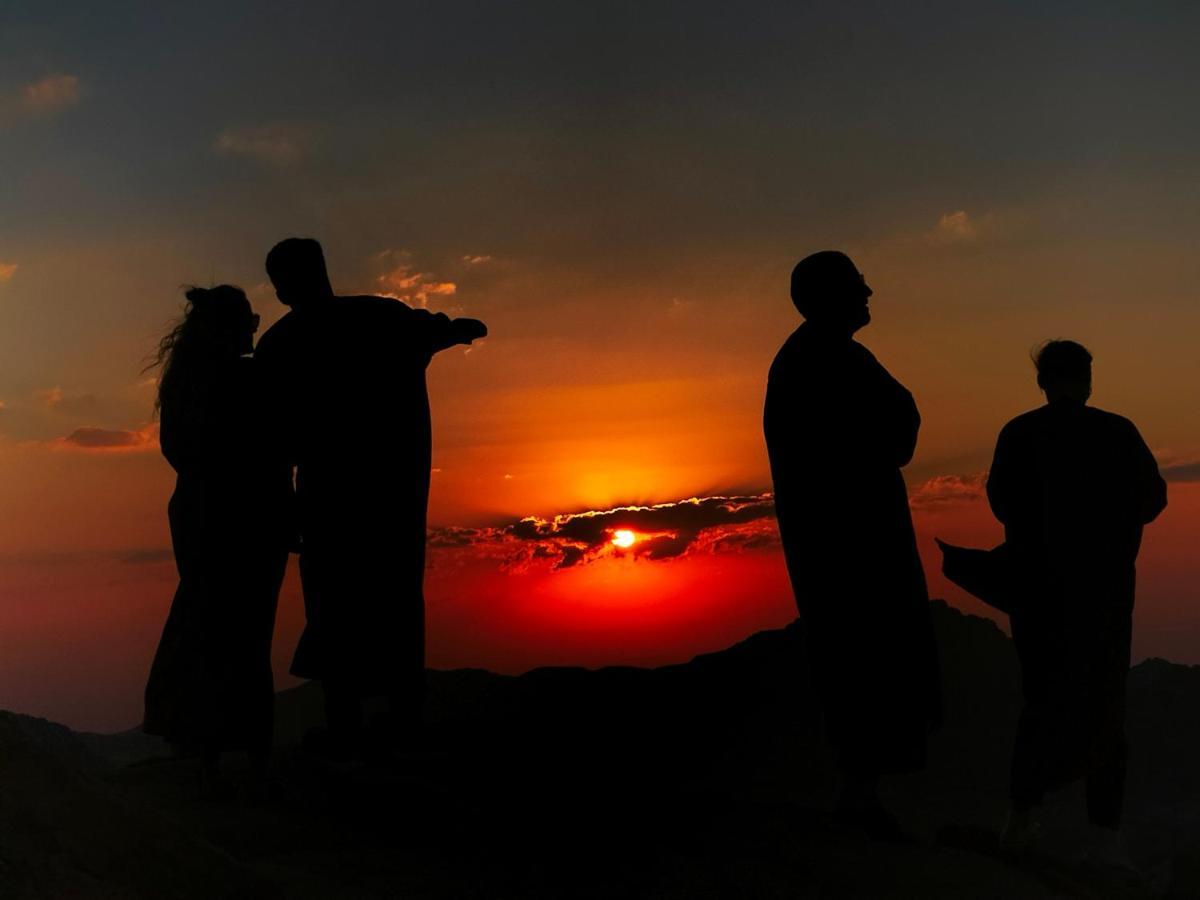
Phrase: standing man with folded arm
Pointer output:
(839, 428)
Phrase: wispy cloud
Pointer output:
(476, 260)
(275, 145)
(7, 271)
(134, 556)
(49, 397)
(52, 93)
(91, 438)
(943, 491)
(955, 227)
(145, 556)
(1189, 471)
(403, 280)
(55, 398)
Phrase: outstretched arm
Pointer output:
(467, 330)
(440, 331)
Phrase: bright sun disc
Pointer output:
(623, 537)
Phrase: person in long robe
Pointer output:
(839, 428)
(1073, 486)
(210, 688)
(349, 400)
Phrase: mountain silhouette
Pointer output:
(705, 779)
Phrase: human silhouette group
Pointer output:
(318, 441)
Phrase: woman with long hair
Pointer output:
(210, 688)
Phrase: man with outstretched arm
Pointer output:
(349, 401)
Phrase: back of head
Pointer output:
(296, 267)
(827, 288)
(217, 325)
(1064, 370)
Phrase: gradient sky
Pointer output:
(620, 191)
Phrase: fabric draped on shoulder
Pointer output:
(838, 428)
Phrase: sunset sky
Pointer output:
(620, 192)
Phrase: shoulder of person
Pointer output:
(792, 358)
(860, 352)
(277, 332)
(383, 309)
(1113, 422)
(1109, 418)
(369, 301)
(1025, 423)
(281, 325)
(858, 357)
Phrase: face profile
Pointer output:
(830, 292)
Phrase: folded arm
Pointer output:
(893, 419)
(1151, 496)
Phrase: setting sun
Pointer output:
(623, 537)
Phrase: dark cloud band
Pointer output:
(662, 531)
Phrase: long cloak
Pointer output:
(1074, 486)
(210, 683)
(838, 430)
(350, 400)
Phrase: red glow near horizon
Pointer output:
(77, 637)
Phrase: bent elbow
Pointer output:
(1159, 503)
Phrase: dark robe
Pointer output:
(349, 398)
(210, 685)
(838, 430)
(1074, 486)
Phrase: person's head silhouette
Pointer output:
(1064, 371)
(830, 292)
(217, 325)
(296, 266)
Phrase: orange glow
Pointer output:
(623, 537)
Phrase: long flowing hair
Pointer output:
(204, 334)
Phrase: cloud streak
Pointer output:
(663, 531)
(273, 145)
(55, 398)
(92, 439)
(1182, 472)
(405, 282)
(52, 93)
(659, 532)
(945, 491)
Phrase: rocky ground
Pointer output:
(707, 779)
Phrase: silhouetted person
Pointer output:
(838, 429)
(349, 397)
(1073, 486)
(210, 687)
